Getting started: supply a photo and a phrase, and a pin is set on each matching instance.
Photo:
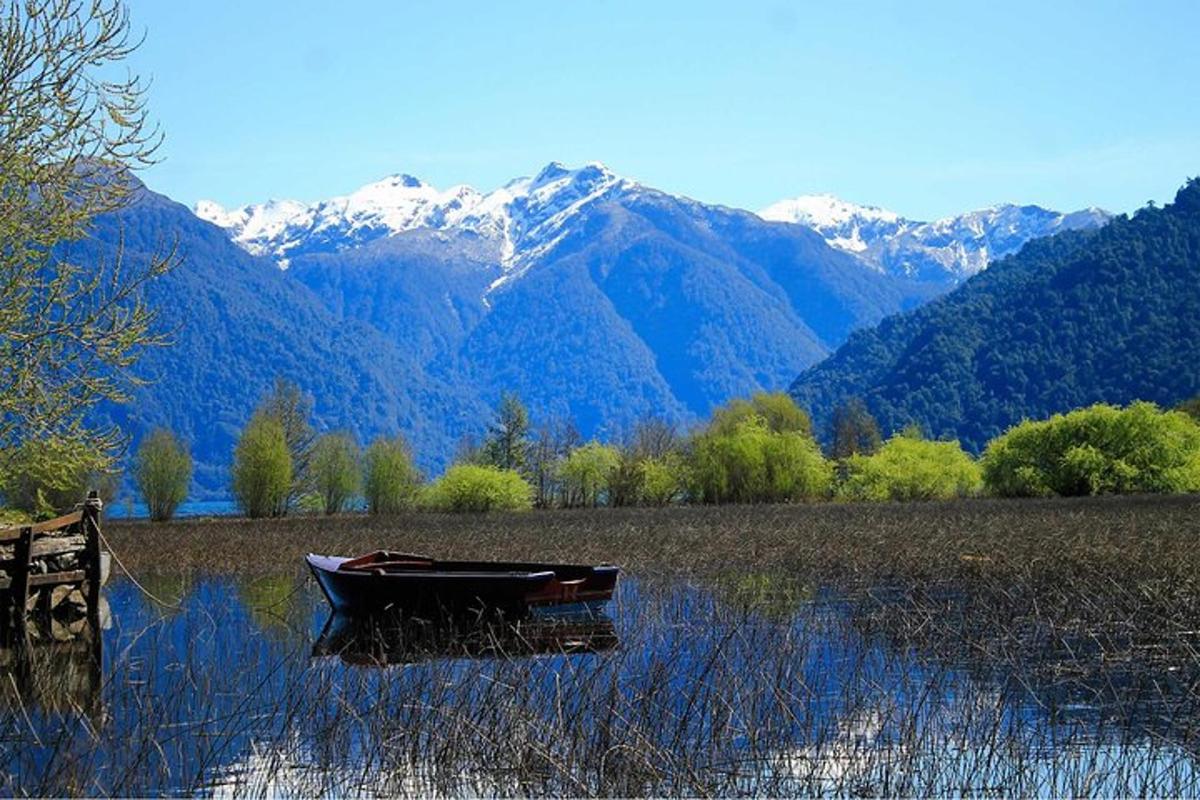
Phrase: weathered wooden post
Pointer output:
(19, 590)
(91, 532)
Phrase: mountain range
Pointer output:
(1109, 315)
(953, 248)
(404, 308)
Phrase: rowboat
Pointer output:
(384, 580)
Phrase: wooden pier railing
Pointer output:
(37, 559)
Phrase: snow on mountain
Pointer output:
(845, 226)
(523, 218)
(952, 248)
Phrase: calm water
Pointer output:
(248, 687)
(129, 509)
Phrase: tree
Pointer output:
(551, 443)
(1101, 449)
(390, 480)
(336, 475)
(71, 132)
(474, 488)
(262, 467)
(853, 431)
(663, 479)
(910, 468)
(293, 409)
(507, 440)
(749, 463)
(46, 477)
(777, 410)
(163, 471)
(587, 471)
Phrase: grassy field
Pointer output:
(861, 542)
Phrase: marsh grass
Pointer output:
(979, 648)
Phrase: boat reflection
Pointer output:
(390, 640)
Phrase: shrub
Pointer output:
(908, 468)
(162, 471)
(390, 480)
(43, 478)
(587, 471)
(335, 473)
(262, 467)
(750, 463)
(472, 487)
(1102, 449)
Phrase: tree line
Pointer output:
(755, 450)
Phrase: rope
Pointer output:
(134, 580)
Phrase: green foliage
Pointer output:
(475, 488)
(293, 409)
(162, 471)
(390, 480)
(777, 410)
(262, 467)
(47, 478)
(1071, 320)
(663, 479)
(507, 442)
(335, 473)
(587, 471)
(909, 468)
(752, 464)
(1102, 449)
(853, 431)
(71, 130)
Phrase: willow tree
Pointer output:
(71, 135)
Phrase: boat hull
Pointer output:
(383, 582)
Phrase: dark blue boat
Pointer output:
(383, 581)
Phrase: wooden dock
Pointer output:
(46, 564)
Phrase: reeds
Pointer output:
(973, 648)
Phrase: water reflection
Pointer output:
(738, 685)
(383, 641)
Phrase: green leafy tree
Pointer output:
(262, 467)
(663, 479)
(390, 480)
(293, 409)
(47, 477)
(908, 468)
(853, 431)
(749, 463)
(777, 410)
(475, 488)
(71, 131)
(507, 442)
(336, 473)
(163, 471)
(1101, 449)
(587, 471)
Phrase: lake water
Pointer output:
(248, 687)
(129, 509)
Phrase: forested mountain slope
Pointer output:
(1111, 315)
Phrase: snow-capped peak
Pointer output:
(955, 247)
(822, 210)
(522, 216)
(846, 226)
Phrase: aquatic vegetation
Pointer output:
(977, 647)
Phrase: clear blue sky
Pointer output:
(927, 108)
